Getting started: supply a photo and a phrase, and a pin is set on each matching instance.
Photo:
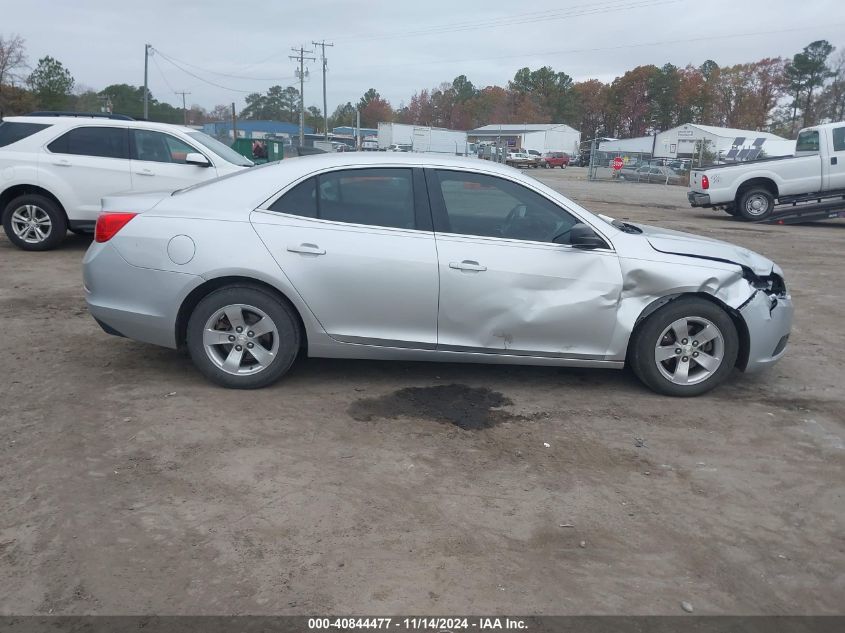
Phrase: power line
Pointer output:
(161, 72)
(195, 76)
(525, 18)
(213, 72)
(603, 48)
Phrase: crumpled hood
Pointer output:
(679, 243)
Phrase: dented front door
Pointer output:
(508, 296)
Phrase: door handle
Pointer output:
(307, 249)
(834, 160)
(467, 264)
(145, 172)
(62, 163)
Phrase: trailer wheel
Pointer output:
(756, 203)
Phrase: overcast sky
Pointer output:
(400, 47)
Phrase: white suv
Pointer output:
(54, 169)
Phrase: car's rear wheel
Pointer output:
(685, 348)
(756, 204)
(34, 223)
(243, 337)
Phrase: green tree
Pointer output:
(52, 83)
(343, 114)
(807, 72)
(464, 90)
(664, 88)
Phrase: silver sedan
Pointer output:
(416, 257)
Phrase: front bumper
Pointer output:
(769, 321)
(698, 199)
(139, 303)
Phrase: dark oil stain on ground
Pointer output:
(470, 408)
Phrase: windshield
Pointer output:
(224, 152)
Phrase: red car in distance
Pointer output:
(555, 159)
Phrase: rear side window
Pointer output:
(301, 200)
(377, 197)
(13, 131)
(807, 142)
(104, 142)
(839, 139)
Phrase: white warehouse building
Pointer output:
(727, 143)
(543, 137)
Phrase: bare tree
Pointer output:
(12, 61)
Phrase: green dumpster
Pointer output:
(259, 150)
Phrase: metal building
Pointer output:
(543, 137)
(725, 143)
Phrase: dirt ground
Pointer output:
(129, 485)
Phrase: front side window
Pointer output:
(104, 142)
(839, 139)
(14, 131)
(159, 147)
(807, 141)
(377, 197)
(487, 206)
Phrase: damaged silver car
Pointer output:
(431, 258)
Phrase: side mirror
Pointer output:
(582, 236)
(195, 158)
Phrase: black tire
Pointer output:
(749, 199)
(45, 206)
(642, 348)
(287, 329)
(563, 166)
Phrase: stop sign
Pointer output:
(617, 163)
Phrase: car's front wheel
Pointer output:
(243, 337)
(685, 348)
(34, 223)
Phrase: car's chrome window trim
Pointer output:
(336, 223)
(521, 242)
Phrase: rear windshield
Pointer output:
(14, 131)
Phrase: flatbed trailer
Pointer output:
(809, 208)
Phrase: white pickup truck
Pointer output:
(751, 189)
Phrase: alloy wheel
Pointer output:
(689, 350)
(31, 224)
(241, 339)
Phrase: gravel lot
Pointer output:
(128, 484)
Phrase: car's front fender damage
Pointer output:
(760, 305)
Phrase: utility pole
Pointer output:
(323, 45)
(147, 49)
(184, 107)
(300, 57)
(234, 123)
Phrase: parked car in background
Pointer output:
(555, 159)
(399, 147)
(416, 257)
(518, 158)
(54, 169)
(534, 155)
(751, 188)
(651, 173)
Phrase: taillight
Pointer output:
(108, 224)
(705, 182)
